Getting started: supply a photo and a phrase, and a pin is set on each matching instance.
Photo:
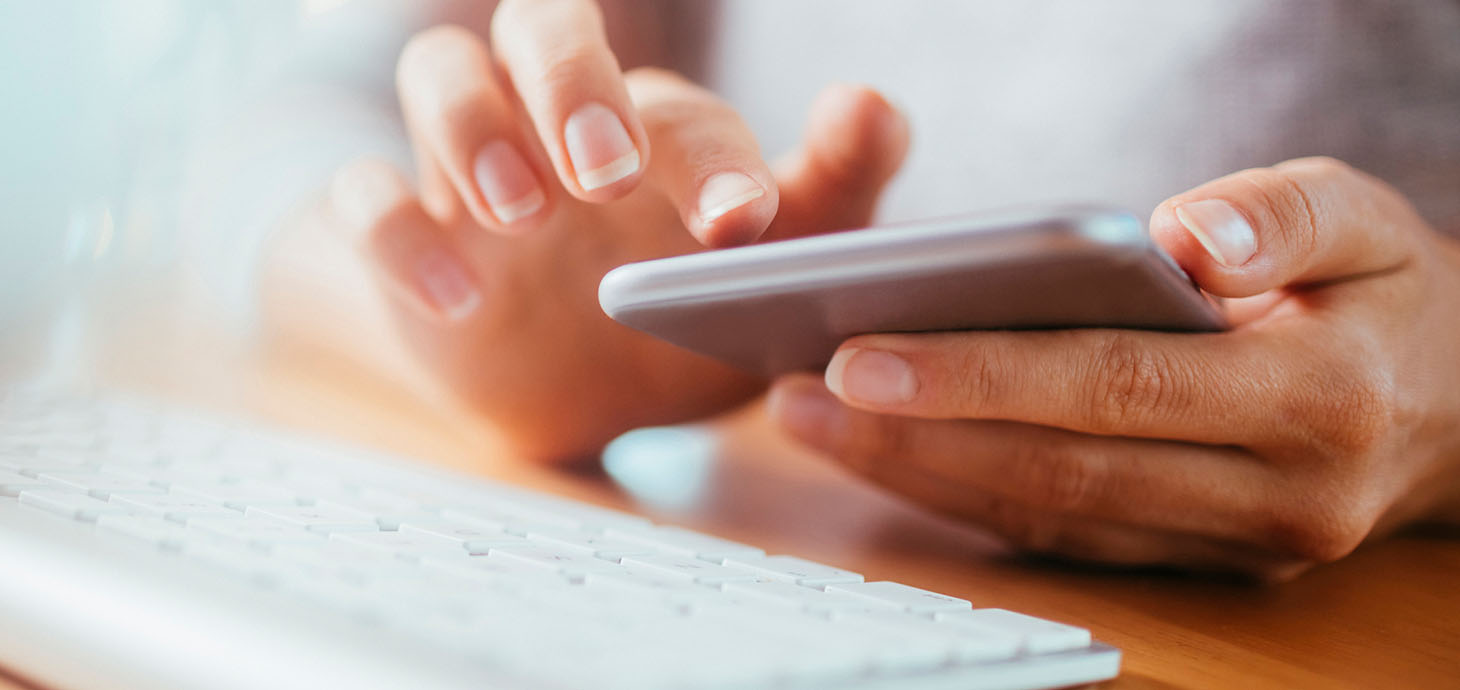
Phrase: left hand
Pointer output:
(1330, 413)
(537, 177)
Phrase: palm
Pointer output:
(535, 355)
(542, 360)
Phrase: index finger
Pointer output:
(559, 62)
(1217, 388)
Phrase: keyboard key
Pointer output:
(317, 519)
(966, 645)
(71, 504)
(650, 580)
(337, 561)
(167, 477)
(33, 467)
(153, 530)
(238, 496)
(701, 571)
(680, 540)
(538, 508)
(12, 483)
(99, 485)
(808, 599)
(496, 569)
(493, 517)
(122, 456)
(429, 500)
(58, 441)
(256, 532)
(175, 508)
(571, 564)
(388, 515)
(239, 562)
(476, 540)
(797, 570)
(410, 546)
(1035, 635)
(592, 543)
(910, 599)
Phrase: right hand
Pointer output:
(536, 179)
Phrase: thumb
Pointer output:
(855, 141)
(1309, 220)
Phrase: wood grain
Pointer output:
(1388, 616)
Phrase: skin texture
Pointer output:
(1327, 416)
(520, 337)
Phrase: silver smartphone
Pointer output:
(785, 306)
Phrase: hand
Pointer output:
(537, 178)
(1327, 415)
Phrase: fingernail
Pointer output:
(871, 376)
(1220, 229)
(510, 188)
(807, 415)
(445, 283)
(599, 147)
(725, 192)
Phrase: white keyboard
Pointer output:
(147, 548)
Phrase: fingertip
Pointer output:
(732, 208)
(854, 143)
(1167, 232)
(1210, 239)
(856, 124)
(802, 407)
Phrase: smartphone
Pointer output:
(785, 306)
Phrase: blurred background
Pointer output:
(115, 136)
(148, 147)
(102, 102)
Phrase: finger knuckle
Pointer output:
(1358, 410)
(977, 376)
(1293, 196)
(562, 66)
(1366, 420)
(889, 437)
(551, 44)
(1132, 382)
(669, 98)
(1320, 531)
(1281, 204)
(460, 110)
(1024, 529)
(868, 442)
(1059, 479)
(671, 106)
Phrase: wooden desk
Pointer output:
(1389, 616)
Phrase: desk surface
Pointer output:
(1389, 616)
